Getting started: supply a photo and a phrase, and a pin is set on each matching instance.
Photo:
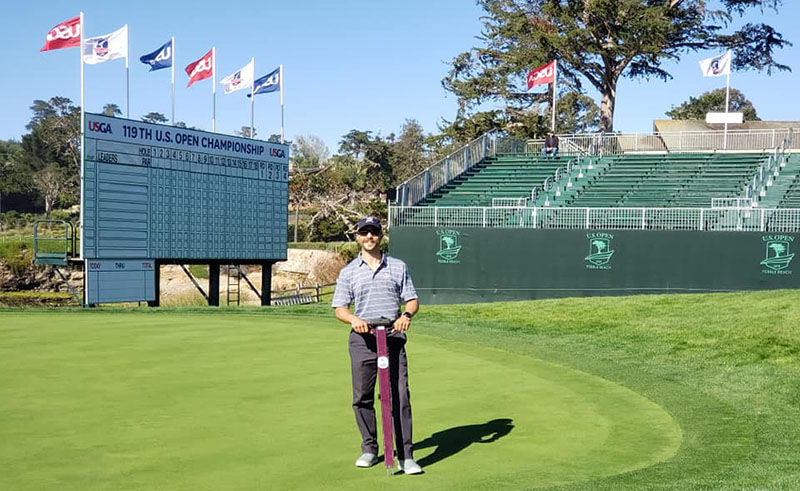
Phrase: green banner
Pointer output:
(463, 265)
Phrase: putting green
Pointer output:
(239, 401)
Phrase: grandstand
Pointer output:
(613, 171)
(613, 214)
(500, 177)
(668, 180)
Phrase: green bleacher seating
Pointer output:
(505, 176)
(669, 180)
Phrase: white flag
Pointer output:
(104, 48)
(238, 80)
(716, 66)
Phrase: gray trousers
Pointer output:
(364, 370)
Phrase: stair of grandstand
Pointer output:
(785, 190)
(580, 177)
(504, 176)
(668, 180)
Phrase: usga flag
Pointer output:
(716, 66)
(268, 83)
(160, 58)
(542, 75)
(104, 48)
(65, 35)
(238, 80)
(201, 69)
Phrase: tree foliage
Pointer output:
(599, 41)
(244, 132)
(154, 117)
(309, 152)
(714, 101)
(111, 110)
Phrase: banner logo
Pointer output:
(99, 127)
(448, 246)
(64, 32)
(101, 47)
(600, 251)
(203, 66)
(777, 255)
(164, 55)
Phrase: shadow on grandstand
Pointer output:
(453, 440)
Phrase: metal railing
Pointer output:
(769, 169)
(683, 141)
(702, 219)
(416, 189)
(733, 202)
(561, 180)
(509, 202)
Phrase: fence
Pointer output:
(301, 295)
(430, 180)
(683, 141)
(702, 219)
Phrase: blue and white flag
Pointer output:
(240, 79)
(716, 66)
(160, 58)
(268, 83)
(104, 48)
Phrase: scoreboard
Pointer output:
(155, 192)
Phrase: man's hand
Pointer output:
(402, 323)
(359, 325)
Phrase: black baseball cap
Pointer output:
(369, 222)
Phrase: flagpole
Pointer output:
(555, 78)
(214, 89)
(281, 75)
(83, 148)
(252, 99)
(127, 73)
(727, 102)
(172, 97)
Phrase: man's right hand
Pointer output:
(359, 325)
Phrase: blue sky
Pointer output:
(367, 65)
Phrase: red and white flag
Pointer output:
(65, 35)
(201, 69)
(545, 74)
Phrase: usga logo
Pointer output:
(64, 32)
(277, 152)
(777, 255)
(203, 66)
(600, 251)
(99, 127)
(546, 73)
(448, 246)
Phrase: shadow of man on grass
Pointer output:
(453, 440)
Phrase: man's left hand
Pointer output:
(402, 323)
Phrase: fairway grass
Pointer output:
(669, 392)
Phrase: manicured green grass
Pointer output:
(667, 392)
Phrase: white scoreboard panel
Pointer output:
(161, 192)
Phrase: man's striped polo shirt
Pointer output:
(376, 293)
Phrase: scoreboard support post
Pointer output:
(156, 286)
(266, 283)
(213, 284)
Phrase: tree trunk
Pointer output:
(296, 219)
(609, 99)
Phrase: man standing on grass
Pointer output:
(377, 284)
